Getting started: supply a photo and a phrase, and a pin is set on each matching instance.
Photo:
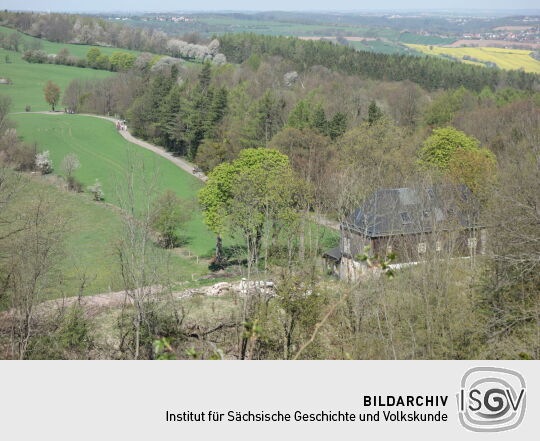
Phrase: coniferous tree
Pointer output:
(198, 117)
(374, 113)
(170, 111)
(318, 120)
(337, 125)
(300, 116)
(205, 76)
(218, 108)
(269, 119)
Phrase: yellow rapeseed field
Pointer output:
(504, 58)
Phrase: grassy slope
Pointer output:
(504, 58)
(78, 50)
(28, 79)
(89, 247)
(104, 154)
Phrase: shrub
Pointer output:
(72, 339)
(97, 191)
(38, 56)
(69, 164)
(169, 214)
(43, 163)
(74, 184)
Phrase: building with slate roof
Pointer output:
(412, 224)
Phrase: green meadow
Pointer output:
(28, 80)
(51, 47)
(93, 227)
(88, 251)
(106, 156)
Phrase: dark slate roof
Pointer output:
(334, 253)
(415, 210)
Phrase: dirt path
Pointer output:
(181, 163)
(321, 220)
(95, 303)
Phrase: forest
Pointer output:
(427, 72)
(290, 132)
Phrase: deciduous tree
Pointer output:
(441, 145)
(170, 212)
(52, 94)
(259, 168)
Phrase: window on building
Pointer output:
(388, 249)
(438, 246)
(471, 242)
(405, 218)
(422, 247)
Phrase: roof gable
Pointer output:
(415, 210)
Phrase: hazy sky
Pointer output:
(169, 5)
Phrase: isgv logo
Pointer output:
(491, 399)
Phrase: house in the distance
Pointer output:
(414, 224)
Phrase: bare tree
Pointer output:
(69, 164)
(30, 258)
(142, 263)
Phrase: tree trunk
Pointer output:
(301, 239)
(219, 251)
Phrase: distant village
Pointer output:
(162, 18)
(518, 34)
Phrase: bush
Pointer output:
(80, 62)
(71, 340)
(27, 108)
(16, 153)
(97, 191)
(38, 56)
(43, 163)
(74, 184)
(169, 214)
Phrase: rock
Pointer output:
(290, 78)
(219, 289)
(250, 287)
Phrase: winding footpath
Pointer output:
(181, 163)
(119, 298)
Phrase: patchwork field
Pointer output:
(209, 25)
(106, 156)
(510, 59)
